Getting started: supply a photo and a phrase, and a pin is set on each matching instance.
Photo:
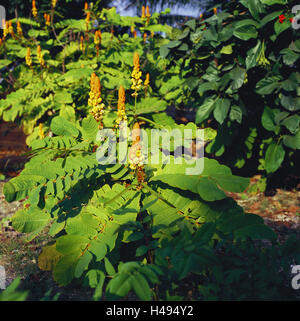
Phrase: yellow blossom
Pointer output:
(136, 75)
(147, 80)
(5, 30)
(95, 100)
(19, 29)
(40, 56)
(121, 114)
(34, 10)
(28, 57)
(41, 131)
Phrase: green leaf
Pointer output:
(226, 50)
(280, 27)
(61, 126)
(267, 119)
(267, 85)
(192, 24)
(292, 123)
(164, 51)
(236, 114)
(27, 221)
(221, 110)
(141, 250)
(292, 141)
(64, 269)
(205, 110)
(245, 32)
(109, 267)
(204, 234)
(238, 77)
(274, 157)
(140, 286)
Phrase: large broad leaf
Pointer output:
(292, 141)
(274, 157)
(290, 103)
(89, 128)
(238, 77)
(267, 85)
(18, 187)
(64, 269)
(236, 113)
(252, 55)
(150, 105)
(61, 126)
(221, 110)
(271, 2)
(245, 32)
(246, 225)
(292, 123)
(205, 109)
(209, 185)
(27, 221)
(268, 119)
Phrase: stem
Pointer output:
(117, 196)
(157, 195)
(150, 121)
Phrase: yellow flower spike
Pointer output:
(148, 15)
(95, 100)
(81, 44)
(136, 75)
(40, 56)
(47, 19)
(34, 9)
(28, 57)
(97, 38)
(86, 6)
(5, 30)
(1, 42)
(19, 29)
(135, 155)
(136, 133)
(10, 28)
(54, 3)
(143, 12)
(121, 100)
(41, 131)
(215, 10)
(147, 80)
(152, 34)
(121, 114)
(145, 37)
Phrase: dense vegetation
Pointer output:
(141, 226)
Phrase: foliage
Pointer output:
(129, 226)
(241, 67)
(12, 294)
